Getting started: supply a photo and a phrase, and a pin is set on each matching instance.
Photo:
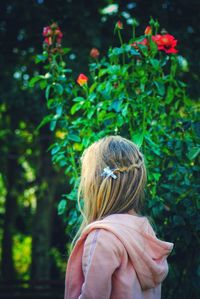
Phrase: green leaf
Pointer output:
(124, 49)
(92, 97)
(153, 47)
(66, 50)
(51, 103)
(76, 107)
(34, 80)
(105, 90)
(115, 105)
(74, 137)
(115, 52)
(133, 52)
(78, 99)
(55, 149)
(143, 49)
(47, 92)
(156, 175)
(58, 88)
(138, 139)
(73, 217)
(155, 63)
(53, 124)
(92, 88)
(102, 72)
(193, 152)
(114, 69)
(45, 120)
(90, 113)
(41, 58)
(59, 110)
(154, 147)
(67, 71)
(61, 206)
(62, 163)
(170, 95)
(160, 87)
(43, 84)
(86, 141)
(125, 110)
(104, 115)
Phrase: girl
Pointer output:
(117, 254)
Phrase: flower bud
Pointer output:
(135, 22)
(148, 30)
(58, 33)
(94, 53)
(48, 40)
(47, 31)
(82, 80)
(54, 26)
(119, 25)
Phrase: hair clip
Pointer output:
(108, 172)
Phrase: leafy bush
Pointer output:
(134, 91)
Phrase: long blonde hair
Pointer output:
(103, 195)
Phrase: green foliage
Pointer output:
(22, 255)
(134, 91)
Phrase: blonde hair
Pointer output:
(103, 195)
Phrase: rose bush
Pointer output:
(135, 91)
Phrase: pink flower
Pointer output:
(52, 34)
(47, 31)
(48, 40)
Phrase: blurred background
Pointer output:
(33, 236)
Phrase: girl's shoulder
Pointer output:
(102, 240)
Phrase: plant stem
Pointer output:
(133, 32)
(130, 123)
(73, 163)
(85, 87)
(121, 42)
(144, 121)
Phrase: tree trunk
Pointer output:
(42, 221)
(7, 270)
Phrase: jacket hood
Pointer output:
(147, 253)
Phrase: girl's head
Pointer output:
(104, 195)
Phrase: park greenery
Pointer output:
(134, 90)
(76, 71)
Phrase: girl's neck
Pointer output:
(132, 212)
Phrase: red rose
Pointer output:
(148, 30)
(94, 53)
(165, 42)
(82, 80)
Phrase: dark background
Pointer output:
(33, 237)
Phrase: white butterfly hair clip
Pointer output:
(108, 172)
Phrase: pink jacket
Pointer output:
(118, 257)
